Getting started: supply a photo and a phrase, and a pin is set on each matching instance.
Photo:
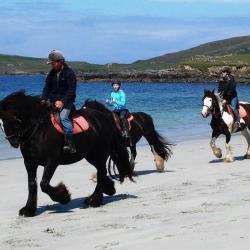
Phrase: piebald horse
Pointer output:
(223, 122)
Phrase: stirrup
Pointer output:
(69, 146)
(125, 134)
(237, 126)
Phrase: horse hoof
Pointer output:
(246, 156)
(27, 212)
(217, 153)
(62, 194)
(229, 159)
(93, 201)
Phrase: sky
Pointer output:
(122, 31)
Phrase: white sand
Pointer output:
(199, 203)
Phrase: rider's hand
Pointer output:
(43, 102)
(114, 101)
(59, 104)
(224, 102)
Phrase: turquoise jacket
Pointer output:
(117, 100)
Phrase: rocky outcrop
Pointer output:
(183, 73)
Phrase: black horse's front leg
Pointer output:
(104, 185)
(59, 193)
(31, 205)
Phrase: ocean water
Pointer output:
(174, 107)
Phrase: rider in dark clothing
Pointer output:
(227, 90)
(60, 90)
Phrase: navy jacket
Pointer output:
(62, 88)
(227, 88)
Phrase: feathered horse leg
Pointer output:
(216, 151)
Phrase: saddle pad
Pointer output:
(242, 111)
(79, 124)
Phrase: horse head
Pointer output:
(210, 103)
(93, 104)
(17, 112)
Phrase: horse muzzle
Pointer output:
(15, 143)
(205, 115)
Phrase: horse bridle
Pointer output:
(212, 112)
(20, 133)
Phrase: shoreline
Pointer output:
(145, 78)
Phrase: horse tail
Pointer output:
(161, 146)
(120, 157)
(158, 143)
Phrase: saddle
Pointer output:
(242, 110)
(118, 122)
(79, 123)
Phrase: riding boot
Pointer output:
(125, 132)
(69, 146)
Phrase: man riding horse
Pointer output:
(227, 91)
(60, 91)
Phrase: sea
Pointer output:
(174, 107)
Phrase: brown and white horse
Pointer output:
(223, 122)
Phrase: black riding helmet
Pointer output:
(116, 81)
(226, 69)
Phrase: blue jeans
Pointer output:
(235, 107)
(66, 122)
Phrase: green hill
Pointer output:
(228, 51)
(29, 65)
(233, 51)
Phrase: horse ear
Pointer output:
(213, 91)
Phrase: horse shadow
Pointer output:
(236, 158)
(79, 203)
(145, 172)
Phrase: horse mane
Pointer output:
(96, 105)
(24, 105)
(210, 93)
(217, 95)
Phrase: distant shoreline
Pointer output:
(146, 77)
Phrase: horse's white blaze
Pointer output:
(207, 104)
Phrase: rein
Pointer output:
(20, 133)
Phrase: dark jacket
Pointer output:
(227, 88)
(62, 88)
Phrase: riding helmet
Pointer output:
(116, 81)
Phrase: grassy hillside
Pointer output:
(19, 64)
(238, 48)
(233, 51)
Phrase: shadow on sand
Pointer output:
(236, 158)
(145, 172)
(79, 203)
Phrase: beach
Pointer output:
(199, 202)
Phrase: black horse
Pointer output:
(27, 124)
(141, 125)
